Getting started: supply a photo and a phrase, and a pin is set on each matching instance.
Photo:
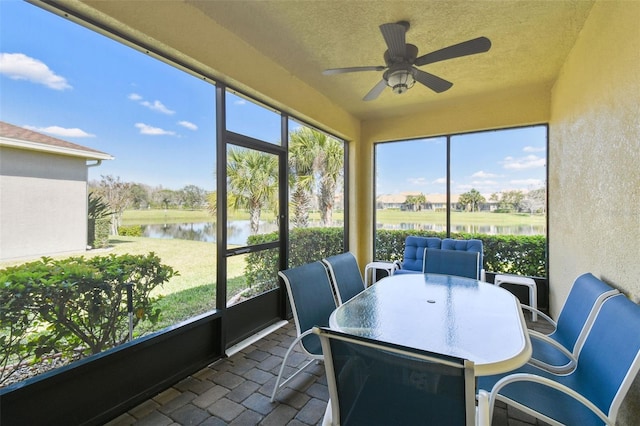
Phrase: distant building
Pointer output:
(398, 201)
(43, 193)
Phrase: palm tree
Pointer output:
(316, 161)
(471, 200)
(252, 178)
(330, 170)
(303, 156)
(416, 201)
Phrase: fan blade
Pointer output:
(394, 36)
(433, 82)
(375, 92)
(353, 69)
(469, 47)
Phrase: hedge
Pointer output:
(306, 245)
(514, 254)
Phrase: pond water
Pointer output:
(520, 229)
(239, 230)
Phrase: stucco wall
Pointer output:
(594, 162)
(43, 204)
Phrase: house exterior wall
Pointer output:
(32, 183)
(594, 163)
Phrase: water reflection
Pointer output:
(238, 231)
(520, 229)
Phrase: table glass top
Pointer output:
(444, 314)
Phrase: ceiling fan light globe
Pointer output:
(400, 81)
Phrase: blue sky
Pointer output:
(495, 161)
(66, 81)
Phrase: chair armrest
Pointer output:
(556, 369)
(482, 411)
(397, 265)
(542, 314)
(526, 377)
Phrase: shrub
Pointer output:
(98, 214)
(101, 232)
(75, 306)
(130, 231)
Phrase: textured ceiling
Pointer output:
(530, 41)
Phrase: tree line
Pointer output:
(316, 164)
(514, 201)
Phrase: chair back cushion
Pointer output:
(345, 276)
(311, 298)
(414, 252)
(465, 245)
(579, 309)
(372, 382)
(610, 358)
(452, 262)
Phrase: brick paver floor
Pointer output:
(236, 391)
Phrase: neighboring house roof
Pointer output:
(21, 138)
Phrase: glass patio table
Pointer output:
(446, 314)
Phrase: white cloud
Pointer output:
(145, 129)
(239, 102)
(482, 174)
(533, 149)
(441, 180)
(523, 163)
(188, 125)
(157, 106)
(154, 106)
(418, 181)
(61, 131)
(19, 66)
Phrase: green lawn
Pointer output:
(154, 216)
(193, 291)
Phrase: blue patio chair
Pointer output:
(471, 245)
(452, 262)
(413, 257)
(558, 351)
(312, 302)
(593, 392)
(376, 383)
(345, 276)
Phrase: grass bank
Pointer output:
(390, 216)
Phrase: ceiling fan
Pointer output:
(401, 60)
